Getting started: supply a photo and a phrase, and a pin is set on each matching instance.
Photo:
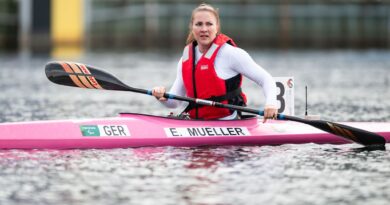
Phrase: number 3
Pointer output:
(280, 97)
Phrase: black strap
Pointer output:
(227, 96)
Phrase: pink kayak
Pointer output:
(138, 130)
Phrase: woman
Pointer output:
(212, 67)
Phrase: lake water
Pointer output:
(344, 85)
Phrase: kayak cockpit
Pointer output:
(175, 117)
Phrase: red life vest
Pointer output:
(203, 82)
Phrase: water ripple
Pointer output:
(343, 86)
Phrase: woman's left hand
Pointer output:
(270, 112)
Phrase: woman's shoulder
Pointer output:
(232, 51)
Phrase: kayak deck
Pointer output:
(138, 130)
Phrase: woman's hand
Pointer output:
(270, 112)
(158, 92)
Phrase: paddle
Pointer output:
(84, 76)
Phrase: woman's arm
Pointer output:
(241, 62)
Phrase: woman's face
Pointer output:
(204, 28)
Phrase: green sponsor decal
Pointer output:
(90, 130)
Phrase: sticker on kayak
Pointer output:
(105, 130)
(206, 131)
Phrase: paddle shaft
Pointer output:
(205, 102)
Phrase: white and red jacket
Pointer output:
(201, 81)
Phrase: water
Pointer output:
(343, 86)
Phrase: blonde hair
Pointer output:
(202, 7)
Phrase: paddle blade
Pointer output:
(357, 135)
(83, 76)
(363, 137)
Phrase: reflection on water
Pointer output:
(343, 86)
(287, 174)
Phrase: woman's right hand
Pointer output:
(158, 92)
(270, 112)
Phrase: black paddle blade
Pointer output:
(83, 76)
(360, 136)
(357, 135)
